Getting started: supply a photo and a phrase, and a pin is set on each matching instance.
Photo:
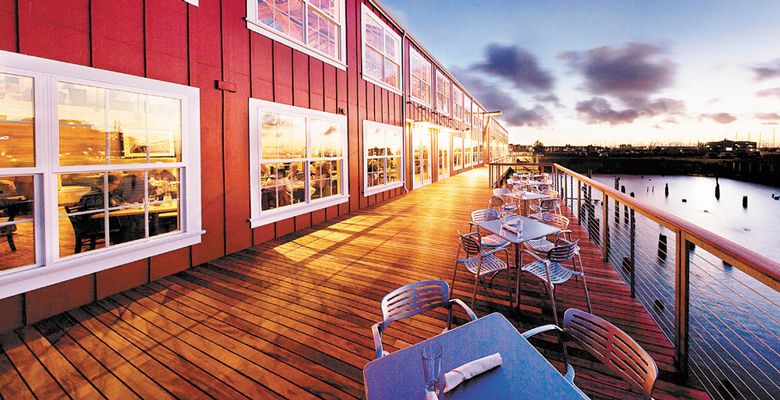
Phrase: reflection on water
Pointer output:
(755, 227)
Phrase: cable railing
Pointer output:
(716, 301)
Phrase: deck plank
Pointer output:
(290, 318)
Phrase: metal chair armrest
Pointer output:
(494, 251)
(376, 331)
(465, 308)
(540, 329)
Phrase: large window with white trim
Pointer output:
(381, 52)
(457, 151)
(420, 78)
(315, 27)
(382, 157)
(297, 160)
(467, 110)
(442, 93)
(457, 103)
(96, 168)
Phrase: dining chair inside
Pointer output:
(552, 272)
(413, 299)
(479, 262)
(608, 344)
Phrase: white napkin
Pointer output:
(470, 370)
(509, 227)
(431, 396)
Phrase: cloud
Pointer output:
(767, 70)
(549, 98)
(598, 110)
(721, 118)
(630, 73)
(495, 98)
(768, 116)
(769, 92)
(664, 106)
(516, 65)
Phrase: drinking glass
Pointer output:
(431, 362)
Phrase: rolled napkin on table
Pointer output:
(470, 370)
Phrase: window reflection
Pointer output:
(325, 178)
(282, 184)
(17, 242)
(282, 136)
(383, 145)
(17, 133)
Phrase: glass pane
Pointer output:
(268, 186)
(415, 85)
(325, 138)
(17, 243)
(373, 34)
(81, 192)
(81, 111)
(395, 141)
(330, 7)
(126, 121)
(296, 20)
(16, 195)
(375, 141)
(265, 12)
(391, 46)
(164, 184)
(334, 178)
(126, 224)
(322, 33)
(372, 66)
(393, 169)
(282, 136)
(164, 217)
(391, 74)
(284, 185)
(164, 122)
(376, 172)
(17, 133)
(81, 232)
(426, 93)
(129, 187)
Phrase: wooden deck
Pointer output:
(291, 318)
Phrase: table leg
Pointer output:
(517, 275)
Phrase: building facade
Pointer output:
(144, 137)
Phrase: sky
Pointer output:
(612, 72)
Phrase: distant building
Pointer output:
(731, 146)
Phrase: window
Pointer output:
(420, 78)
(442, 93)
(382, 157)
(297, 160)
(457, 103)
(457, 151)
(96, 169)
(315, 27)
(467, 110)
(468, 149)
(381, 52)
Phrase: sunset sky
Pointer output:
(610, 72)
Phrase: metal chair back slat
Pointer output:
(612, 347)
(413, 299)
(484, 214)
(563, 253)
(470, 243)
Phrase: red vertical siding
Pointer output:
(45, 302)
(300, 79)
(8, 33)
(343, 105)
(316, 83)
(166, 40)
(283, 90)
(115, 280)
(118, 43)
(55, 29)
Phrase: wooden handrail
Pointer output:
(756, 265)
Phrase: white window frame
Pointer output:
(456, 99)
(50, 268)
(439, 107)
(461, 137)
(262, 217)
(368, 191)
(467, 110)
(339, 62)
(386, 30)
(415, 57)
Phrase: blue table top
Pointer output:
(532, 229)
(524, 373)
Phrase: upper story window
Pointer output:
(383, 157)
(477, 117)
(96, 169)
(467, 110)
(381, 52)
(442, 93)
(315, 27)
(457, 103)
(420, 77)
(297, 160)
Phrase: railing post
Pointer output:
(605, 227)
(579, 201)
(681, 302)
(632, 255)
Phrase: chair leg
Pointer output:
(587, 295)
(551, 291)
(11, 243)
(454, 273)
(474, 295)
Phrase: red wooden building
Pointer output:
(140, 138)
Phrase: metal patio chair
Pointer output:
(479, 262)
(547, 205)
(543, 245)
(412, 299)
(487, 214)
(607, 343)
(552, 272)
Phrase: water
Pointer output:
(734, 319)
(756, 227)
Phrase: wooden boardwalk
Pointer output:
(291, 318)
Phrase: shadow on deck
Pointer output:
(291, 318)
